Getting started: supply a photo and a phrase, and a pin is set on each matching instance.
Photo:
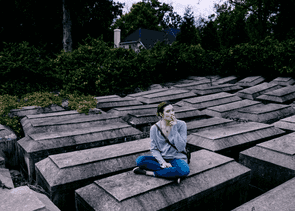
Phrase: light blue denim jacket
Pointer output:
(161, 150)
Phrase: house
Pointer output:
(144, 37)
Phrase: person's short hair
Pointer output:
(161, 106)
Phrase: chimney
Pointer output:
(117, 34)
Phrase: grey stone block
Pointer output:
(2, 162)
(141, 109)
(29, 110)
(226, 80)
(109, 103)
(217, 89)
(193, 85)
(8, 146)
(5, 179)
(286, 123)
(282, 95)
(284, 81)
(250, 81)
(140, 94)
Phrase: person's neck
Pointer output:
(165, 122)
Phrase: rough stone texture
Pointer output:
(28, 110)
(5, 178)
(207, 124)
(284, 81)
(142, 109)
(215, 182)
(287, 124)
(108, 103)
(24, 199)
(96, 111)
(271, 162)
(171, 95)
(36, 147)
(140, 94)
(269, 113)
(282, 95)
(197, 78)
(230, 140)
(193, 85)
(154, 86)
(250, 81)
(2, 162)
(230, 110)
(106, 97)
(60, 175)
(252, 93)
(64, 123)
(209, 100)
(280, 198)
(8, 145)
(226, 80)
(217, 89)
(184, 81)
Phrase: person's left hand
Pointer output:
(174, 121)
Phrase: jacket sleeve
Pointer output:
(180, 138)
(154, 149)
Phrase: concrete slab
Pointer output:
(141, 109)
(2, 162)
(108, 103)
(5, 178)
(203, 102)
(217, 89)
(184, 81)
(230, 140)
(207, 124)
(230, 110)
(287, 124)
(278, 198)
(269, 113)
(36, 147)
(33, 126)
(24, 199)
(140, 94)
(284, 81)
(60, 175)
(271, 162)
(172, 95)
(215, 182)
(226, 80)
(250, 81)
(8, 145)
(283, 95)
(106, 97)
(29, 110)
(252, 93)
(197, 78)
(193, 85)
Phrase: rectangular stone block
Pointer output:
(287, 124)
(29, 110)
(5, 178)
(197, 78)
(98, 99)
(24, 199)
(278, 198)
(269, 113)
(140, 94)
(282, 95)
(252, 93)
(8, 146)
(250, 81)
(215, 182)
(36, 147)
(217, 89)
(203, 102)
(230, 110)
(230, 140)
(108, 103)
(2, 162)
(193, 85)
(207, 124)
(284, 81)
(226, 80)
(60, 175)
(271, 162)
(142, 109)
(172, 95)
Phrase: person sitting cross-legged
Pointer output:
(166, 161)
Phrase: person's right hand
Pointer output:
(166, 165)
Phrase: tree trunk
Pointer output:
(67, 25)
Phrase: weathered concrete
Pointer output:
(269, 113)
(217, 89)
(230, 140)
(2, 162)
(154, 86)
(271, 162)
(207, 124)
(28, 110)
(197, 78)
(60, 175)
(252, 93)
(64, 123)
(282, 95)
(172, 95)
(280, 198)
(108, 103)
(140, 94)
(8, 145)
(5, 178)
(98, 99)
(24, 199)
(250, 81)
(215, 182)
(203, 102)
(142, 109)
(184, 81)
(36, 147)
(230, 110)
(287, 124)
(284, 81)
(193, 85)
(226, 80)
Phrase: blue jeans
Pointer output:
(179, 167)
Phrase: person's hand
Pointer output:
(174, 121)
(166, 165)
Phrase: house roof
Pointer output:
(148, 37)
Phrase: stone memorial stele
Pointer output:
(193, 85)
(108, 103)
(8, 146)
(28, 110)
(287, 124)
(232, 88)
(250, 81)
(141, 109)
(284, 81)
(139, 94)
(215, 182)
(283, 95)
(226, 80)
(5, 179)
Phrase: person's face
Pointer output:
(168, 113)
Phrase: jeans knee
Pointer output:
(183, 171)
(139, 160)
